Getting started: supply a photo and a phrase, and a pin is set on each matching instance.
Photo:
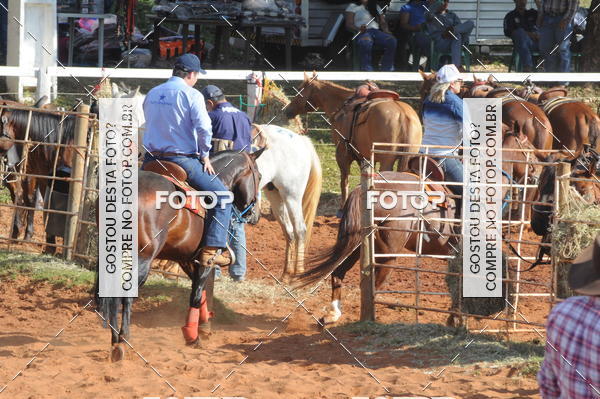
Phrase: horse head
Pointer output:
(301, 103)
(428, 82)
(517, 147)
(541, 213)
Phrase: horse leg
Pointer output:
(293, 205)
(281, 214)
(337, 278)
(197, 299)
(344, 161)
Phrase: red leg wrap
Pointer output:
(190, 330)
(205, 315)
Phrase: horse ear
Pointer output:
(258, 153)
(306, 77)
(41, 101)
(314, 74)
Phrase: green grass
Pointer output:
(44, 268)
(441, 344)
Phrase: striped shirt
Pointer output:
(571, 367)
(565, 8)
(443, 123)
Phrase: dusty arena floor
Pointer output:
(255, 351)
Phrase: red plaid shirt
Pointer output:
(571, 368)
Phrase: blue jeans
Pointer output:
(525, 46)
(454, 46)
(374, 37)
(237, 243)
(422, 43)
(217, 218)
(551, 35)
(453, 171)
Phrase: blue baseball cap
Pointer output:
(189, 63)
(211, 91)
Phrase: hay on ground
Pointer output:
(270, 111)
(569, 239)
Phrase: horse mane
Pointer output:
(260, 139)
(332, 84)
(45, 127)
(228, 164)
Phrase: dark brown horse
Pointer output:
(41, 160)
(393, 237)
(384, 122)
(176, 235)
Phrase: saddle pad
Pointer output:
(553, 103)
(192, 203)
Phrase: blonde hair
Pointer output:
(438, 92)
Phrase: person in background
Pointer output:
(520, 26)
(442, 124)
(366, 17)
(412, 26)
(449, 34)
(231, 129)
(178, 130)
(3, 31)
(571, 366)
(555, 21)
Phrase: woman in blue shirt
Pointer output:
(442, 122)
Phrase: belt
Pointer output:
(173, 154)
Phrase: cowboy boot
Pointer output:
(211, 256)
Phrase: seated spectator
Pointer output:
(366, 17)
(520, 26)
(412, 27)
(555, 21)
(571, 367)
(449, 34)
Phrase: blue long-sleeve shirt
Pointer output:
(229, 123)
(442, 123)
(176, 119)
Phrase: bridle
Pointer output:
(255, 181)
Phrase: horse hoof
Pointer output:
(285, 278)
(117, 353)
(190, 333)
(204, 331)
(194, 344)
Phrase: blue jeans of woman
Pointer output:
(218, 217)
(454, 46)
(374, 37)
(525, 46)
(453, 172)
(555, 60)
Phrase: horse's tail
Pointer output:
(312, 193)
(348, 242)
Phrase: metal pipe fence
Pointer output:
(424, 275)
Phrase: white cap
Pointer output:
(448, 73)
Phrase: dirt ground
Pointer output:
(256, 353)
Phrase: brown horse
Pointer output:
(393, 235)
(574, 123)
(383, 122)
(176, 234)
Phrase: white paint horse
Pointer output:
(292, 178)
(126, 92)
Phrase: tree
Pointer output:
(590, 61)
